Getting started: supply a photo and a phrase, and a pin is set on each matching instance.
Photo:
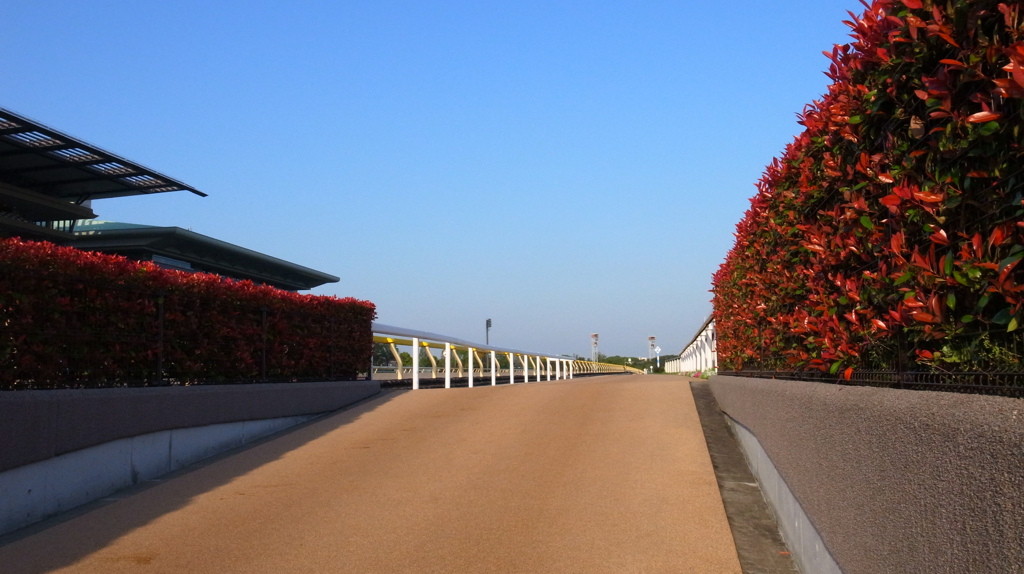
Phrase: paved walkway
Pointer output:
(609, 474)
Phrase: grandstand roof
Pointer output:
(41, 159)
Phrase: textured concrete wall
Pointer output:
(894, 481)
(38, 425)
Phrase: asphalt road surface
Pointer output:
(606, 474)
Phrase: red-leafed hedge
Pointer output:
(891, 230)
(72, 318)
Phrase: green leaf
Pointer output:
(1002, 317)
(986, 129)
(866, 222)
(951, 300)
(959, 277)
(983, 301)
(859, 119)
(1012, 326)
(843, 300)
(949, 264)
(966, 318)
(835, 367)
(1010, 260)
(904, 278)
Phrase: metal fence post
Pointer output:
(330, 353)
(263, 350)
(160, 339)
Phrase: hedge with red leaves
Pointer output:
(72, 318)
(891, 229)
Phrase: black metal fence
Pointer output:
(1009, 384)
(980, 362)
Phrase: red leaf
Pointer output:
(890, 200)
(997, 237)
(948, 38)
(913, 4)
(940, 237)
(954, 63)
(878, 323)
(924, 317)
(913, 303)
(1016, 69)
(982, 117)
(929, 197)
(885, 178)
(849, 370)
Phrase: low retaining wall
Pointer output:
(62, 449)
(37, 425)
(892, 480)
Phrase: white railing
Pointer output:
(536, 365)
(700, 355)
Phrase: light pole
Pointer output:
(488, 335)
(593, 347)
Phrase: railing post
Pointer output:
(415, 363)
(511, 368)
(469, 353)
(494, 369)
(447, 365)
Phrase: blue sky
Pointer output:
(561, 167)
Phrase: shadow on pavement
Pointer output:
(17, 549)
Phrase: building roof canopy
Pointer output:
(201, 252)
(38, 158)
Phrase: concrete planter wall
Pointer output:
(890, 480)
(65, 448)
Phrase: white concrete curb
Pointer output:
(809, 552)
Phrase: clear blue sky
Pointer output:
(560, 167)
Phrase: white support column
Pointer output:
(470, 354)
(494, 369)
(447, 365)
(572, 365)
(548, 370)
(526, 368)
(538, 368)
(558, 369)
(511, 368)
(415, 363)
